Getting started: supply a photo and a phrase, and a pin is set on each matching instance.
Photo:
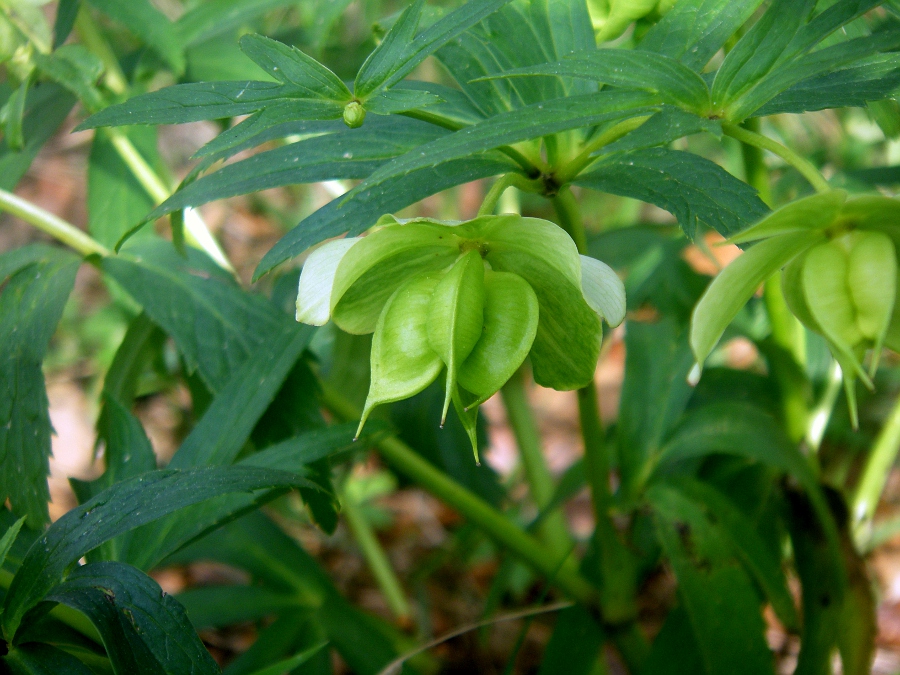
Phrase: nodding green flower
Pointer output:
(470, 299)
(839, 278)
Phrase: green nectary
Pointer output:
(839, 277)
(472, 299)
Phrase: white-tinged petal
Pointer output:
(603, 290)
(317, 280)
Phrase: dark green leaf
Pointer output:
(117, 202)
(189, 103)
(348, 153)
(215, 324)
(534, 121)
(256, 544)
(41, 659)
(694, 30)
(690, 187)
(218, 606)
(123, 507)
(364, 207)
(46, 107)
(881, 175)
(292, 662)
(292, 67)
(814, 65)
(758, 558)
(468, 59)
(149, 24)
(825, 23)
(674, 650)
(31, 303)
(144, 630)
(875, 78)
(292, 630)
(575, 644)
(400, 100)
(759, 48)
(397, 56)
(674, 82)
(668, 125)
(228, 422)
(654, 394)
(8, 538)
(721, 603)
(66, 11)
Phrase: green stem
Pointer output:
(56, 227)
(570, 217)
(500, 186)
(472, 507)
(377, 560)
(554, 529)
(875, 473)
(755, 171)
(577, 164)
(818, 418)
(810, 172)
(90, 36)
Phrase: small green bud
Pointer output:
(354, 114)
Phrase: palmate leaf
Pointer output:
(123, 507)
(398, 55)
(38, 281)
(292, 67)
(694, 30)
(144, 630)
(360, 210)
(674, 82)
(347, 153)
(533, 121)
(816, 64)
(692, 188)
(759, 48)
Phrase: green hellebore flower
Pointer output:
(839, 278)
(470, 298)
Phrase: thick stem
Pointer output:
(878, 465)
(377, 560)
(472, 507)
(810, 172)
(56, 227)
(570, 217)
(553, 529)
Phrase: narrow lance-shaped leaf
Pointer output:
(456, 317)
(389, 53)
(31, 303)
(291, 66)
(396, 64)
(694, 30)
(510, 325)
(149, 24)
(736, 284)
(674, 82)
(143, 629)
(815, 212)
(403, 362)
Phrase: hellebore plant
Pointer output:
(839, 277)
(471, 299)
